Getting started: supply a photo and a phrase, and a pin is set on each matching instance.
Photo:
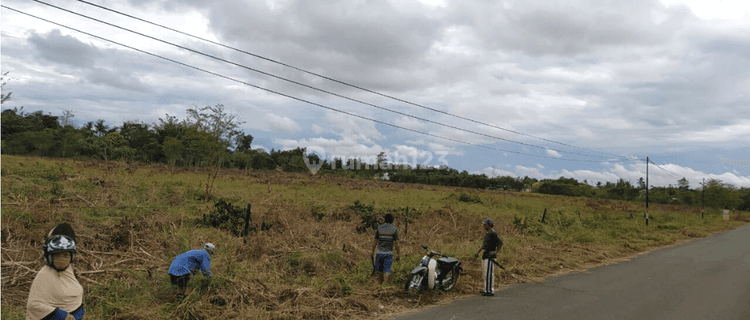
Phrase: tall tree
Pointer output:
(100, 128)
(215, 121)
(143, 140)
(683, 184)
(243, 143)
(67, 131)
(4, 97)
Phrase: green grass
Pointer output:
(308, 247)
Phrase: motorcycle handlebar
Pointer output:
(433, 252)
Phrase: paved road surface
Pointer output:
(702, 279)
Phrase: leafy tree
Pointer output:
(143, 140)
(67, 133)
(215, 121)
(41, 142)
(744, 197)
(243, 143)
(100, 128)
(683, 184)
(173, 150)
(113, 146)
(4, 97)
(721, 195)
(641, 183)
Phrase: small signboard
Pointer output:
(726, 215)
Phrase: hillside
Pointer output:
(306, 255)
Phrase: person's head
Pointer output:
(388, 218)
(210, 248)
(59, 251)
(488, 224)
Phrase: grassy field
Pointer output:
(307, 253)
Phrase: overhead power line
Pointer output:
(348, 84)
(670, 173)
(290, 96)
(309, 86)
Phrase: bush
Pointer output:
(465, 197)
(369, 216)
(226, 217)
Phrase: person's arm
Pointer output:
(206, 265)
(59, 314)
(375, 246)
(481, 247)
(476, 254)
(78, 313)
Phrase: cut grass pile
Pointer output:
(306, 255)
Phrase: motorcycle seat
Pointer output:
(447, 261)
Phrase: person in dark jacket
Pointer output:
(184, 265)
(491, 244)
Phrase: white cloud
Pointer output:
(276, 123)
(634, 78)
(726, 9)
(553, 153)
(495, 172)
(738, 131)
(665, 175)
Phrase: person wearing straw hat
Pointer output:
(55, 292)
(184, 265)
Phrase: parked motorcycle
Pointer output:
(435, 271)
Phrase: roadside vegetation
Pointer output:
(305, 254)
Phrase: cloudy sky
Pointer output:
(540, 88)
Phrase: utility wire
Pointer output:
(290, 96)
(314, 88)
(671, 174)
(350, 85)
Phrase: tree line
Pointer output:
(210, 137)
(714, 193)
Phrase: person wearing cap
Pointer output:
(491, 244)
(386, 237)
(189, 262)
(55, 292)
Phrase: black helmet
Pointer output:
(58, 243)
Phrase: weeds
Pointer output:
(465, 197)
(312, 258)
(368, 215)
(228, 217)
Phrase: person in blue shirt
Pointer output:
(184, 265)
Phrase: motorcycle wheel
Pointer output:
(414, 284)
(450, 280)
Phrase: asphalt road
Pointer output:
(702, 279)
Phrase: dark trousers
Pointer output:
(179, 281)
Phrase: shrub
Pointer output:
(465, 197)
(226, 217)
(369, 216)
